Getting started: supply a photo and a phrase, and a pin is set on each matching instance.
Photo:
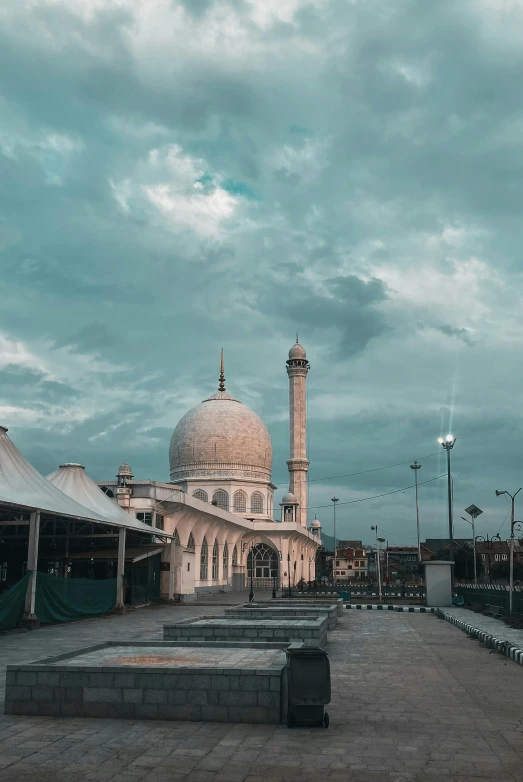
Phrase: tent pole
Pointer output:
(30, 620)
(172, 558)
(120, 571)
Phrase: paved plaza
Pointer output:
(413, 699)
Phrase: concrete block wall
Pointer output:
(218, 695)
(284, 612)
(311, 632)
(313, 601)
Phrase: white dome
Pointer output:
(289, 499)
(220, 438)
(315, 524)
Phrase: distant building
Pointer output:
(432, 546)
(493, 551)
(401, 561)
(351, 561)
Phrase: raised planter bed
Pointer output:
(252, 611)
(312, 632)
(242, 682)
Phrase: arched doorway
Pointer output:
(266, 563)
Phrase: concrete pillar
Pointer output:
(172, 572)
(120, 570)
(30, 620)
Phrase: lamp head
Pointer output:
(499, 493)
(441, 441)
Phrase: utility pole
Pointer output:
(415, 466)
(511, 544)
(334, 500)
(448, 443)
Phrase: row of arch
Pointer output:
(220, 499)
(215, 560)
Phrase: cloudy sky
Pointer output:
(182, 175)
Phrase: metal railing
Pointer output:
(491, 595)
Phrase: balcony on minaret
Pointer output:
(289, 506)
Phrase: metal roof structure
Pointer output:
(72, 480)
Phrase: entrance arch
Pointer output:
(266, 562)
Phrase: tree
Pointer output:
(501, 570)
(463, 562)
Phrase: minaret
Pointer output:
(297, 369)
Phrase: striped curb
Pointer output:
(406, 609)
(506, 648)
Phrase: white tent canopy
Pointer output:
(73, 480)
(22, 485)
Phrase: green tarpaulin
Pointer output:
(67, 599)
(12, 604)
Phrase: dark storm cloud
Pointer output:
(177, 177)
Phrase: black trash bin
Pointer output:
(309, 686)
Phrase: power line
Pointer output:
(376, 496)
(374, 469)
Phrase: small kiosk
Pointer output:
(438, 582)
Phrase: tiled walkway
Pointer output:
(414, 699)
(488, 624)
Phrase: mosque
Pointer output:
(219, 505)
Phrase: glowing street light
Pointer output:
(448, 444)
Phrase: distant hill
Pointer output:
(327, 542)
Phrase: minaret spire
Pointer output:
(298, 464)
(221, 386)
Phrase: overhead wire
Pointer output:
(364, 472)
(377, 496)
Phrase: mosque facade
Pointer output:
(219, 504)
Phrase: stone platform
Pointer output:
(155, 680)
(252, 611)
(312, 632)
(311, 602)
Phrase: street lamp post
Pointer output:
(276, 574)
(289, 571)
(415, 466)
(378, 558)
(473, 511)
(511, 544)
(251, 552)
(448, 444)
(334, 500)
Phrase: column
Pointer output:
(30, 619)
(172, 573)
(120, 570)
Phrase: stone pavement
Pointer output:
(488, 624)
(413, 699)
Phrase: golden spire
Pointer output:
(221, 386)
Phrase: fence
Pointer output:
(58, 599)
(491, 595)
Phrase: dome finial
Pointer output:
(221, 386)
(297, 337)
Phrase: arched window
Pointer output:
(257, 502)
(107, 491)
(235, 556)
(190, 543)
(203, 560)
(225, 562)
(220, 498)
(176, 537)
(215, 563)
(240, 502)
(202, 495)
(265, 562)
